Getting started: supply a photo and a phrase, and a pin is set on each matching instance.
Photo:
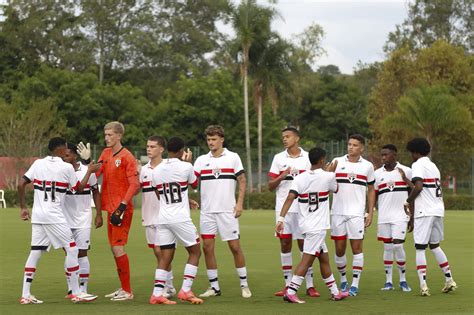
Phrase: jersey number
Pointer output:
(53, 191)
(313, 202)
(439, 193)
(172, 193)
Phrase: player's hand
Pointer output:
(410, 226)
(238, 210)
(279, 227)
(368, 219)
(286, 172)
(117, 215)
(98, 221)
(84, 151)
(24, 214)
(331, 167)
(407, 208)
(193, 204)
(187, 156)
(94, 167)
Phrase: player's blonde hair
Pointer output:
(116, 126)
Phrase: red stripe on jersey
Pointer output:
(183, 184)
(304, 195)
(421, 267)
(208, 236)
(272, 175)
(320, 194)
(357, 267)
(363, 177)
(396, 183)
(48, 183)
(429, 180)
(222, 170)
(195, 184)
(27, 269)
(197, 174)
(146, 184)
(338, 238)
(445, 264)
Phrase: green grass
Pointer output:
(263, 263)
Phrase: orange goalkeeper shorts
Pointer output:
(118, 235)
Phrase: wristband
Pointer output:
(281, 219)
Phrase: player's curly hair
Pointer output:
(419, 145)
(56, 142)
(315, 155)
(72, 147)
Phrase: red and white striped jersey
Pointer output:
(218, 180)
(171, 179)
(392, 192)
(280, 163)
(51, 178)
(430, 201)
(352, 178)
(78, 210)
(150, 202)
(312, 189)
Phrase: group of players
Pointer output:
(62, 216)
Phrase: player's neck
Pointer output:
(155, 161)
(116, 147)
(391, 166)
(217, 152)
(76, 165)
(353, 158)
(294, 151)
(316, 167)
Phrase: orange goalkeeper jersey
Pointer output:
(120, 178)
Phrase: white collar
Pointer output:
(290, 156)
(396, 165)
(222, 154)
(347, 158)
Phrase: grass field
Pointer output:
(263, 263)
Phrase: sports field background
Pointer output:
(263, 264)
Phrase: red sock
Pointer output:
(123, 269)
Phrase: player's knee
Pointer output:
(82, 253)
(235, 248)
(285, 244)
(421, 246)
(118, 251)
(433, 246)
(72, 251)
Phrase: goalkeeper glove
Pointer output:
(117, 215)
(84, 151)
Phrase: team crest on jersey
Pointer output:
(351, 177)
(216, 172)
(294, 172)
(118, 162)
(391, 185)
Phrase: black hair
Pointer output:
(158, 139)
(315, 155)
(175, 144)
(390, 147)
(56, 142)
(419, 145)
(292, 129)
(72, 147)
(358, 137)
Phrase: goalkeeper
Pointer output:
(119, 185)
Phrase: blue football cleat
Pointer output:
(344, 287)
(404, 286)
(388, 286)
(353, 291)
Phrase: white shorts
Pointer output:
(314, 243)
(428, 230)
(170, 234)
(82, 236)
(387, 232)
(45, 235)
(223, 223)
(291, 227)
(151, 233)
(347, 227)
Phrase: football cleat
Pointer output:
(160, 300)
(246, 292)
(312, 292)
(449, 286)
(280, 293)
(342, 295)
(387, 287)
(344, 286)
(425, 291)
(69, 295)
(353, 291)
(30, 300)
(404, 286)
(83, 298)
(123, 296)
(189, 297)
(169, 292)
(115, 293)
(210, 292)
(292, 298)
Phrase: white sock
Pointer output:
(242, 272)
(190, 272)
(72, 266)
(421, 266)
(309, 276)
(213, 279)
(442, 261)
(331, 284)
(169, 280)
(388, 261)
(84, 270)
(357, 266)
(68, 277)
(160, 281)
(400, 257)
(295, 284)
(30, 270)
(287, 266)
(341, 263)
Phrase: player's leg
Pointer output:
(399, 233)
(82, 238)
(339, 235)
(326, 273)
(355, 232)
(286, 258)
(437, 235)
(384, 234)
(310, 288)
(421, 235)
(151, 233)
(208, 228)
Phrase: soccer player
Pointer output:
(312, 190)
(171, 179)
(78, 213)
(425, 205)
(51, 178)
(220, 170)
(286, 166)
(392, 191)
(150, 204)
(355, 177)
(119, 185)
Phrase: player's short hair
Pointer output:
(158, 139)
(175, 144)
(390, 147)
(56, 142)
(419, 145)
(315, 155)
(214, 130)
(357, 137)
(292, 129)
(116, 126)
(72, 147)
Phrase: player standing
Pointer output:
(426, 206)
(285, 167)
(219, 171)
(355, 177)
(392, 191)
(150, 204)
(51, 178)
(312, 190)
(171, 179)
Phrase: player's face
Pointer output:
(69, 157)
(111, 137)
(355, 147)
(388, 156)
(61, 151)
(215, 142)
(289, 139)
(153, 149)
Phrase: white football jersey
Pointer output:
(150, 202)
(392, 193)
(352, 178)
(218, 180)
(280, 163)
(51, 178)
(171, 179)
(312, 189)
(78, 210)
(430, 200)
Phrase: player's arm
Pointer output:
(284, 210)
(98, 216)
(242, 180)
(371, 197)
(24, 213)
(405, 178)
(91, 169)
(274, 180)
(417, 188)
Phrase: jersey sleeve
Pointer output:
(93, 182)
(29, 175)
(371, 175)
(295, 186)
(408, 173)
(192, 178)
(332, 182)
(198, 166)
(274, 171)
(238, 167)
(416, 172)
